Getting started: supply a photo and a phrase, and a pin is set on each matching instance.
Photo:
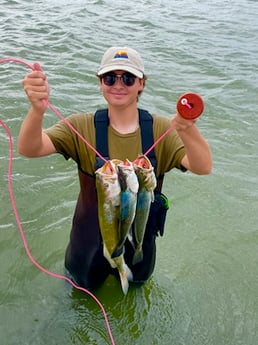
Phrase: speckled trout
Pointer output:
(128, 198)
(147, 184)
(109, 199)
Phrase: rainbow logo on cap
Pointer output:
(121, 54)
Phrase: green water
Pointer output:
(204, 288)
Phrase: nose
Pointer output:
(119, 80)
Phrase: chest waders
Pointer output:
(84, 255)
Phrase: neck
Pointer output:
(124, 120)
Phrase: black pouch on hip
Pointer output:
(158, 212)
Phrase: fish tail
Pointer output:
(125, 276)
(138, 255)
(125, 273)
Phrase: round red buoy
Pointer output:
(190, 106)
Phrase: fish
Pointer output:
(109, 200)
(147, 183)
(128, 198)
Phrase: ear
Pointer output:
(141, 84)
(100, 84)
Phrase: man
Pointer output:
(121, 80)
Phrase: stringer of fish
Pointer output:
(111, 202)
(125, 191)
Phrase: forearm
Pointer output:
(30, 136)
(198, 157)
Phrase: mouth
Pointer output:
(118, 93)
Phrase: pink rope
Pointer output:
(171, 128)
(36, 66)
(25, 243)
(16, 214)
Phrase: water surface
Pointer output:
(204, 288)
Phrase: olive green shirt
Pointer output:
(169, 151)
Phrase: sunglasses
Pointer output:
(110, 79)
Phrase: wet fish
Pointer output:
(128, 197)
(109, 194)
(147, 183)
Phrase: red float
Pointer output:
(190, 106)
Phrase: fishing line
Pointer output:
(171, 128)
(17, 217)
(28, 252)
(36, 67)
(189, 106)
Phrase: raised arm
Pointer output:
(32, 141)
(198, 158)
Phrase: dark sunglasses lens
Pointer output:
(109, 79)
(128, 79)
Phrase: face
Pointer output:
(119, 94)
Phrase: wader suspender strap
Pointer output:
(101, 122)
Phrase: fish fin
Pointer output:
(108, 257)
(118, 251)
(152, 196)
(130, 239)
(121, 178)
(125, 276)
(138, 255)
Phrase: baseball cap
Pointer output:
(122, 58)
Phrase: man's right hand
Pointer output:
(37, 89)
